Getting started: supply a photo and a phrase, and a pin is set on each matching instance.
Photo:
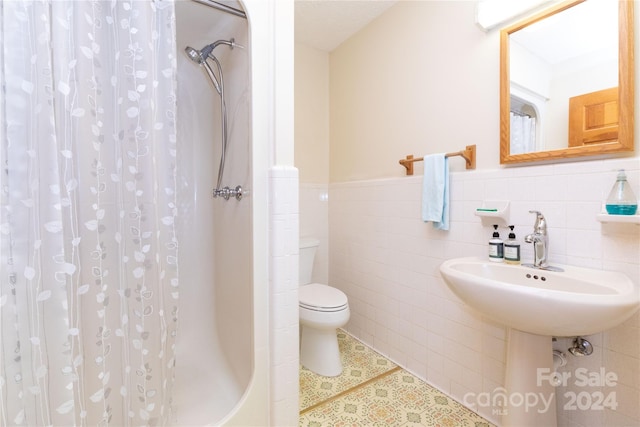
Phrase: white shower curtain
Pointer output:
(88, 249)
(523, 134)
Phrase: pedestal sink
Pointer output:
(537, 305)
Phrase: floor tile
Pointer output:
(369, 395)
(360, 364)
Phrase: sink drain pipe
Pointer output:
(559, 359)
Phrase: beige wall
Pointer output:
(311, 114)
(423, 78)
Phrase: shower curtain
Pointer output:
(88, 249)
(523, 134)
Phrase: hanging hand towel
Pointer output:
(435, 191)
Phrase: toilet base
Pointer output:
(319, 351)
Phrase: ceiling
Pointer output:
(325, 24)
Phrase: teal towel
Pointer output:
(435, 191)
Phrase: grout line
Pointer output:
(354, 388)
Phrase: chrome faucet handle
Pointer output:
(541, 223)
(540, 240)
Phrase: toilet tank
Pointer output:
(308, 247)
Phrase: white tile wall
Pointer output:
(386, 260)
(283, 232)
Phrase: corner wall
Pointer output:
(311, 128)
(312, 149)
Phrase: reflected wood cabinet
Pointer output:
(593, 118)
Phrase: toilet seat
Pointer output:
(319, 297)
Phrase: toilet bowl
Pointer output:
(322, 310)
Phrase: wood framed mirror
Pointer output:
(546, 117)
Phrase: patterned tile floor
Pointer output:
(372, 391)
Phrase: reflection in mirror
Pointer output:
(567, 82)
(565, 55)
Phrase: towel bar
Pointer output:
(469, 155)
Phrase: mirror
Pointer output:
(573, 95)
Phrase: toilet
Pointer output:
(323, 309)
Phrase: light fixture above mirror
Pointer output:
(591, 104)
(494, 13)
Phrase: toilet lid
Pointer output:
(319, 297)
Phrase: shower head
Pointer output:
(200, 56)
(194, 54)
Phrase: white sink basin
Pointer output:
(577, 301)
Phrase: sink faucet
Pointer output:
(540, 240)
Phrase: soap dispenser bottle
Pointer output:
(496, 246)
(512, 248)
(621, 200)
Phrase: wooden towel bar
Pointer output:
(469, 155)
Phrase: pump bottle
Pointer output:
(496, 246)
(512, 248)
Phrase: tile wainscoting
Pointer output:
(386, 260)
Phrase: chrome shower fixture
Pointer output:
(226, 193)
(201, 57)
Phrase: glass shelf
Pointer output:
(624, 219)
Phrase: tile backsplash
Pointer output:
(386, 260)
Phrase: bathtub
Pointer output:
(216, 378)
